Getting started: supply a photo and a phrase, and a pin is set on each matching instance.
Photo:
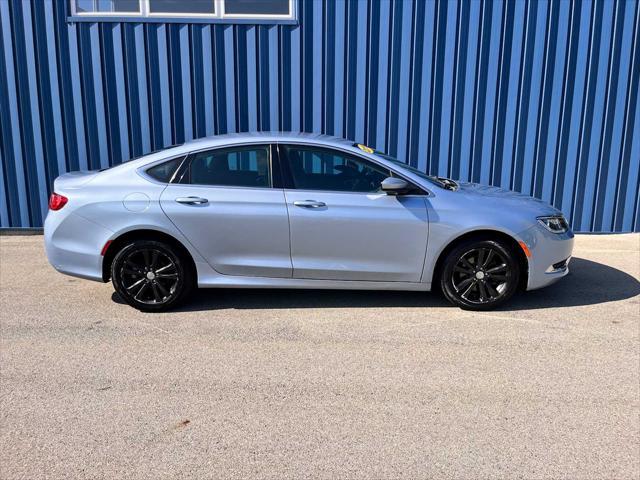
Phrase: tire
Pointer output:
(480, 274)
(152, 276)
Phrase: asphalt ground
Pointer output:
(321, 384)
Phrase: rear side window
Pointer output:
(314, 168)
(233, 167)
(164, 172)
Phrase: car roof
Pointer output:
(267, 137)
(231, 139)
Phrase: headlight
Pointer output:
(555, 224)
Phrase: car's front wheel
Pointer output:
(480, 274)
(151, 276)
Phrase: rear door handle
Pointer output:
(192, 200)
(309, 204)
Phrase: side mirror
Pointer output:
(394, 186)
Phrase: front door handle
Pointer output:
(192, 200)
(309, 204)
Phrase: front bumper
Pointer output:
(73, 244)
(548, 252)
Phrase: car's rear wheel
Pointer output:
(151, 276)
(480, 274)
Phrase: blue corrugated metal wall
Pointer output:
(537, 96)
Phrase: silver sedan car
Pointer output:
(276, 210)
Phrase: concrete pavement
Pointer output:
(321, 384)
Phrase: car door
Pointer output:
(224, 202)
(343, 227)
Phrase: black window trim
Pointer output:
(287, 176)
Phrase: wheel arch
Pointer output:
(484, 234)
(116, 244)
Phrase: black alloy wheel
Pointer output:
(480, 275)
(151, 276)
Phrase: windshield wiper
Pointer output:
(448, 183)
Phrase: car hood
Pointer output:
(500, 198)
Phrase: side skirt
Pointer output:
(265, 282)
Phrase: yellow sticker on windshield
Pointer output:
(364, 148)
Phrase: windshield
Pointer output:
(411, 169)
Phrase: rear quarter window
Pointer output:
(164, 172)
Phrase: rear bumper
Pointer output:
(73, 244)
(548, 252)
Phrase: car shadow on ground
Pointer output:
(588, 283)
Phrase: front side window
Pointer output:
(315, 168)
(194, 10)
(233, 167)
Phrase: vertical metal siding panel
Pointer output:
(62, 46)
(360, 63)
(143, 92)
(185, 71)
(218, 78)
(469, 92)
(447, 87)
(491, 92)
(383, 75)
(329, 46)
(16, 130)
(78, 107)
(100, 115)
(252, 90)
(296, 90)
(567, 102)
(612, 155)
(607, 124)
(633, 183)
(130, 87)
(405, 71)
(197, 80)
(174, 58)
(274, 74)
(506, 46)
(517, 47)
(394, 76)
(229, 58)
(163, 68)
(630, 165)
(598, 114)
(546, 176)
(580, 82)
(534, 104)
(9, 204)
(123, 123)
(43, 86)
(317, 60)
(338, 106)
(4, 211)
(417, 54)
(209, 87)
(110, 92)
(545, 95)
(55, 91)
(40, 182)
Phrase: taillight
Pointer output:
(57, 201)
